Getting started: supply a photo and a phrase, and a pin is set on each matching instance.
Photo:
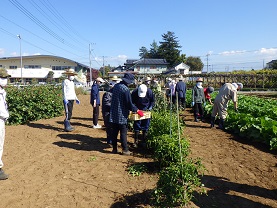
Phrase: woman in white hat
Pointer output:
(69, 96)
(198, 98)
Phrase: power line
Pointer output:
(49, 18)
(36, 36)
(40, 24)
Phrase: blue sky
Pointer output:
(236, 34)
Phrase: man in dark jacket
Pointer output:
(144, 99)
(95, 101)
(121, 106)
(181, 90)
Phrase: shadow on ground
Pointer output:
(218, 194)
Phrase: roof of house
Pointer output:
(146, 62)
(42, 56)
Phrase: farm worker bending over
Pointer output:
(121, 106)
(207, 92)
(227, 92)
(95, 101)
(181, 90)
(69, 96)
(4, 115)
(144, 99)
(198, 98)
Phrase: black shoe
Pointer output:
(114, 151)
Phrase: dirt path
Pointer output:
(51, 168)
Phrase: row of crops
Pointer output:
(256, 119)
(32, 103)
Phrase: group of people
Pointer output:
(200, 95)
(116, 103)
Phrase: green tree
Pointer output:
(154, 50)
(274, 65)
(143, 52)
(194, 63)
(182, 58)
(169, 48)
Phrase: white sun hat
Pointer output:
(142, 90)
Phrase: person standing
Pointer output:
(4, 115)
(106, 107)
(198, 98)
(69, 96)
(144, 99)
(95, 101)
(172, 87)
(121, 106)
(181, 90)
(227, 92)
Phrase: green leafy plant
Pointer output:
(136, 169)
(177, 183)
(92, 158)
(32, 103)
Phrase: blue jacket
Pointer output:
(94, 94)
(146, 103)
(181, 89)
(121, 104)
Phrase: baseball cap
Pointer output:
(142, 90)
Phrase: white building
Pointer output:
(37, 68)
(146, 66)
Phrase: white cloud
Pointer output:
(2, 51)
(227, 53)
(268, 51)
(113, 61)
(14, 54)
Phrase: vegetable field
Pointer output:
(256, 119)
(52, 168)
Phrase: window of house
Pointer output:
(12, 67)
(32, 66)
(153, 67)
(60, 67)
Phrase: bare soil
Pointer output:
(52, 168)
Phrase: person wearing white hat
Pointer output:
(69, 96)
(181, 90)
(198, 98)
(4, 115)
(95, 101)
(226, 93)
(144, 99)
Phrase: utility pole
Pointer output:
(103, 65)
(90, 75)
(19, 37)
(207, 63)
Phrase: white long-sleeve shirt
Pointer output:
(4, 113)
(69, 90)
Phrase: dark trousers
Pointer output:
(95, 115)
(198, 110)
(142, 125)
(108, 125)
(122, 128)
(182, 102)
(68, 109)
